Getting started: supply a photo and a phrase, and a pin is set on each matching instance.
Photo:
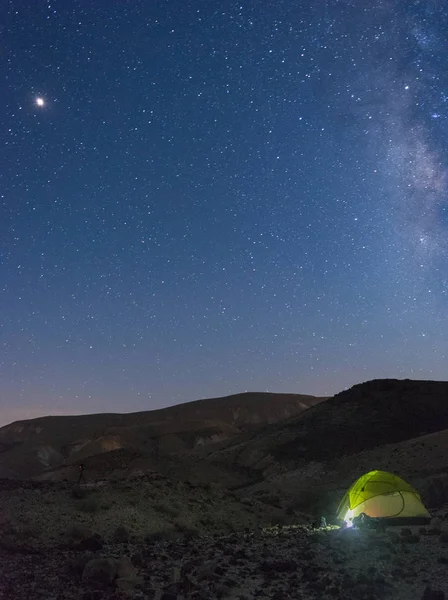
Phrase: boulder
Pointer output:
(125, 568)
(430, 594)
(206, 571)
(80, 531)
(93, 544)
(79, 562)
(128, 584)
(100, 572)
(121, 534)
(281, 565)
(436, 524)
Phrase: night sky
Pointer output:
(203, 197)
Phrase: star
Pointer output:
(40, 101)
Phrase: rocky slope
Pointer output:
(367, 416)
(28, 448)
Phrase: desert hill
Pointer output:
(366, 416)
(397, 425)
(27, 448)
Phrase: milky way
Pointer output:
(217, 197)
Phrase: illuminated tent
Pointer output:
(383, 495)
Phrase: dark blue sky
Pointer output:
(200, 198)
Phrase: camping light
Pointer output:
(348, 518)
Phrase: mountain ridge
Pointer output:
(27, 447)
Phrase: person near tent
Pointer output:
(81, 473)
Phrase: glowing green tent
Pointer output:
(384, 495)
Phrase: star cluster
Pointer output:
(200, 198)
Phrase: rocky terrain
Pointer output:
(278, 562)
(233, 517)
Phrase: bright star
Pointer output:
(40, 102)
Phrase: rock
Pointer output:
(432, 531)
(206, 571)
(176, 574)
(223, 591)
(92, 595)
(92, 543)
(128, 584)
(279, 566)
(138, 559)
(430, 594)
(79, 562)
(443, 537)
(405, 531)
(411, 539)
(100, 572)
(436, 524)
(80, 532)
(125, 568)
(170, 596)
(121, 534)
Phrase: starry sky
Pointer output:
(203, 197)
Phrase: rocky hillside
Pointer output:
(366, 416)
(27, 448)
(399, 426)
